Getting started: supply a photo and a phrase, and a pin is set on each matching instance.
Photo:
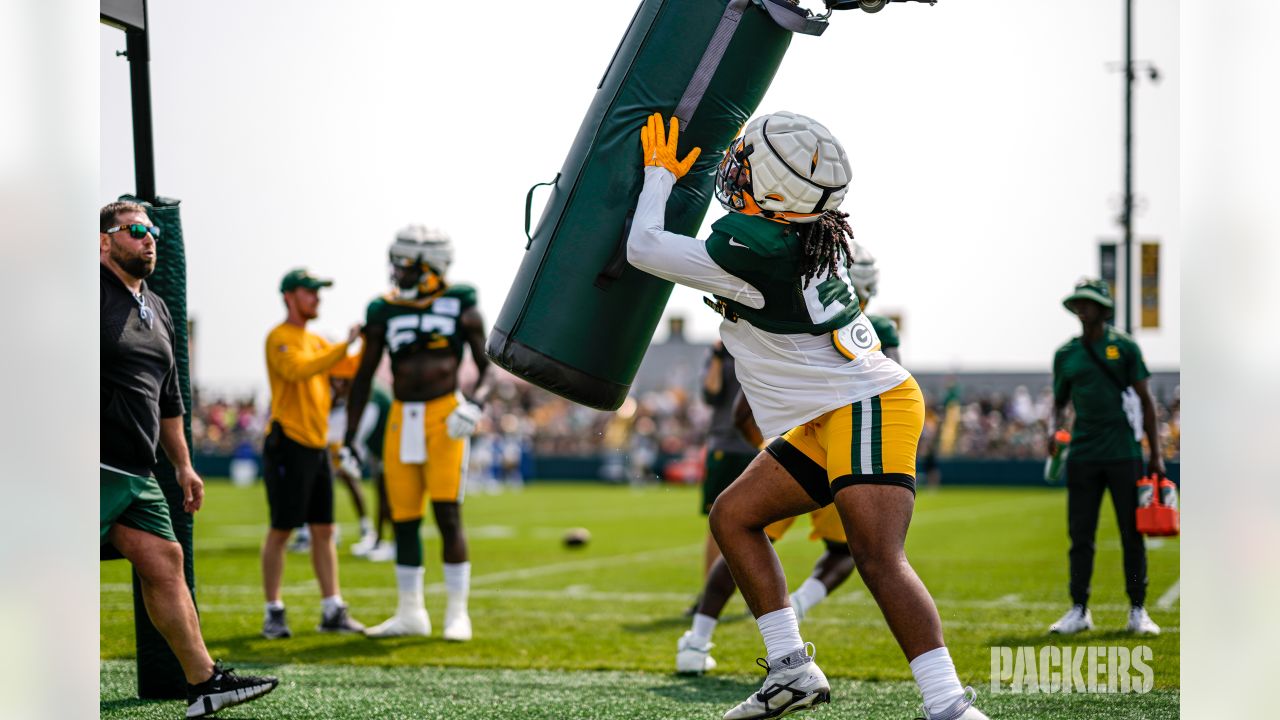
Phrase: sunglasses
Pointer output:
(137, 231)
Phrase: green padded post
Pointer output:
(159, 674)
(578, 319)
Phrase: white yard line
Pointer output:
(1170, 596)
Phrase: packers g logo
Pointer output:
(862, 337)
(856, 338)
(1113, 352)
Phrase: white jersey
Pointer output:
(788, 378)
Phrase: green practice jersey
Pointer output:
(434, 323)
(1101, 432)
(765, 255)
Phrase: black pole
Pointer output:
(138, 51)
(1128, 166)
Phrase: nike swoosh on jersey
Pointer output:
(735, 243)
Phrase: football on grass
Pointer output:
(577, 537)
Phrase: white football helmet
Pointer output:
(422, 244)
(863, 273)
(784, 167)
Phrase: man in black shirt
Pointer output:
(141, 404)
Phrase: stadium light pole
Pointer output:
(1126, 213)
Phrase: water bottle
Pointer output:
(1146, 490)
(1168, 493)
(1057, 458)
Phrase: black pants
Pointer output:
(1086, 482)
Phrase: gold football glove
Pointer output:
(660, 148)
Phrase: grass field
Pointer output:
(591, 633)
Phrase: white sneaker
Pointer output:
(961, 709)
(301, 541)
(1076, 620)
(366, 543)
(382, 552)
(795, 683)
(457, 625)
(1141, 623)
(692, 658)
(402, 624)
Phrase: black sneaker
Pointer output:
(340, 621)
(274, 626)
(225, 689)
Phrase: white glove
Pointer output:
(348, 462)
(462, 421)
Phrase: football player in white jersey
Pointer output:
(812, 368)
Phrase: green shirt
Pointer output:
(886, 330)
(1101, 432)
(415, 325)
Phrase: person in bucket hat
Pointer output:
(1102, 375)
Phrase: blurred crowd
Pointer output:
(227, 426)
(657, 428)
(1016, 426)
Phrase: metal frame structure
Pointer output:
(131, 17)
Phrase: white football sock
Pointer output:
(703, 626)
(781, 633)
(936, 676)
(409, 582)
(330, 604)
(366, 526)
(457, 583)
(810, 593)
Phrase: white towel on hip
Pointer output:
(413, 434)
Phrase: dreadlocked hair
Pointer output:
(824, 241)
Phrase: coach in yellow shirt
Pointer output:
(295, 462)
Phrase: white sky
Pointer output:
(986, 141)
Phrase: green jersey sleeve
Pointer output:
(886, 330)
(376, 312)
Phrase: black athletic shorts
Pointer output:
(299, 482)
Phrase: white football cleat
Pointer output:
(382, 552)
(402, 624)
(366, 543)
(961, 709)
(1141, 623)
(692, 658)
(1076, 620)
(457, 625)
(794, 684)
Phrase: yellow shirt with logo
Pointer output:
(298, 365)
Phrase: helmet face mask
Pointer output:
(784, 167)
(733, 178)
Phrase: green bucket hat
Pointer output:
(300, 278)
(1094, 290)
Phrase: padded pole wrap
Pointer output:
(578, 318)
(160, 676)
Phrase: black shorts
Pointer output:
(722, 468)
(299, 482)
